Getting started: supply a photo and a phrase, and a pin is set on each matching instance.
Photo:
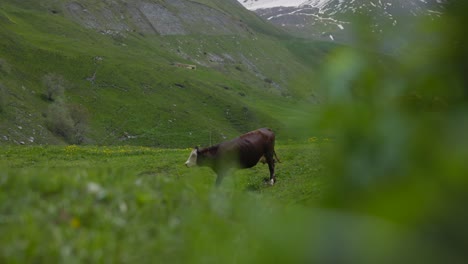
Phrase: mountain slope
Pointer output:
(120, 78)
(334, 19)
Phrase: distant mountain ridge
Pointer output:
(331, 19)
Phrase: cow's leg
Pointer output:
(219, 178)
(271, 166)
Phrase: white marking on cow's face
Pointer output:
(192, 159)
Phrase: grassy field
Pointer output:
(127, 204)
(137, 204)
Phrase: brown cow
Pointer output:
(242, 152)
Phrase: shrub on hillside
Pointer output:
(68, 121)
(4, 66)
(55, 86)
(58, 120)
(79, 116)
(2, 98)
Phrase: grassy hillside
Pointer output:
(125, 88)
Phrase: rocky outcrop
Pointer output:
(169, 17)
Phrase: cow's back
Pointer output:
(252, 146)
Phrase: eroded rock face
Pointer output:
(161, 20)
(171, 17)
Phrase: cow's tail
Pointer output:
(276, 156)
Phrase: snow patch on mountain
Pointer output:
(259, 4)
(334, 19)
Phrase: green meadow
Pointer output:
(124, 204)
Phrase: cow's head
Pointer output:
(192, 159)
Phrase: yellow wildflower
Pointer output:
(75, 222)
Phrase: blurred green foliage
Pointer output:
(401, 124)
